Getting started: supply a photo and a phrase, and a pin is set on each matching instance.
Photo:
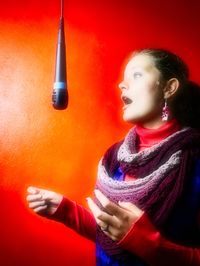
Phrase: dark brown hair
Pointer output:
(185, 105)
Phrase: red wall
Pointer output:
(59, 150)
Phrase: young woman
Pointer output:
(146, 209)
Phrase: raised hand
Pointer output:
(116, 219)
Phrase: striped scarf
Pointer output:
(161, 172)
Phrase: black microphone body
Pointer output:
(60, 93)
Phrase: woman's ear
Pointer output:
(171, 88)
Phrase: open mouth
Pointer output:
(126, 100)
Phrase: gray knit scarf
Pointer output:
(161, 171)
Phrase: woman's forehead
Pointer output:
(140, 61)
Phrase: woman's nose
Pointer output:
(123, 86)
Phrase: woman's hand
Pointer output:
(115, 220)
(42, 201)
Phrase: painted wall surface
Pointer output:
(59, 150)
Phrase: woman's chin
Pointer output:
(130, 119)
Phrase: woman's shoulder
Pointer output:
(114, 147)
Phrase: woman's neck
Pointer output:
(153, 124)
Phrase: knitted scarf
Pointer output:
(161, 172)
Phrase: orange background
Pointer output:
(59, 150)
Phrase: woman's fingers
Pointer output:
(36, 193)
(130, 207)
(36, 204)
(43, 201)
(102, 218)
(97, 212)
(32, 198)
(109, 206)
(93, 207)
(40, 209)
(33, 190)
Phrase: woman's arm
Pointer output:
(144, 240)
(133, 231)
(54, 206)
(76, 217)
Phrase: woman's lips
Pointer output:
(127, 101)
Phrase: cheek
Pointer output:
(144, 93)
(147, 97)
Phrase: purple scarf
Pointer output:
(161, 172)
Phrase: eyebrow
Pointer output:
(135, 67)
(147, 68)
(132, 68)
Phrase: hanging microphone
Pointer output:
(60, 93)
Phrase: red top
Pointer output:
(149, 137)
(143, 239)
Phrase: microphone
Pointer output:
(60, 93)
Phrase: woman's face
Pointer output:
(141, 90)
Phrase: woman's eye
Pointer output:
(137, 75)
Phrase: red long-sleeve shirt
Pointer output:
(143, 239)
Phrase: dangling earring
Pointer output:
(165, 112)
